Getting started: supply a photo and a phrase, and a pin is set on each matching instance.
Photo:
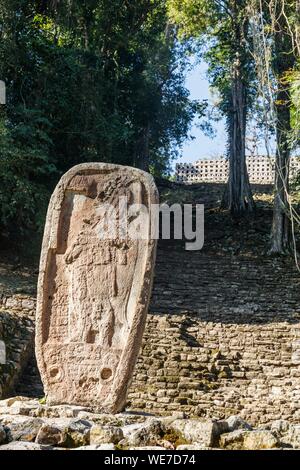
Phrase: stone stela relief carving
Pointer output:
(93, 293)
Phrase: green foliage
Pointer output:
(294, 80)
(23, 198)
(214, 24)
(90, 80)
(193, 17)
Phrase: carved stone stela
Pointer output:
(94, 291)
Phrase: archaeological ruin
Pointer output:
(221, 342)
(261, 170)
(94, 289)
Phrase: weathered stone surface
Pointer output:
(17, 331)
(62, 411)
(203, 432)
(129, 429)
(102, 435)
(122, 419)
(190, 447)
(17, 400)
(236, 422)
(23, 446)
(291, 438)
(147, 448)
(259, 440)
(146, 435)
(124, 431)
(78, 433)
(64, 433)
(51, 435)
(97, 447)
(249, 440)
(21, 428)
(280, 427)
(232, 440)
(2, 435)
(20, 406)
(94, 291)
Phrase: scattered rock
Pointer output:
(93, 431)
(60, 411)
(236, 422)
(190, 447)
(257, 440)
(2, 435)
(20, 445)
(21, 428)
(78, 433)
(129, 429)
(51, 435)
(120, 419)
(102, 435)
(148, 434)
(19, 406)
(232, 440)
(65, 433)
(179, 415)
(147, 448)
(203, 432)
(13, 400)
(248, 440)
(97, 447)
(280, 427)
(165, 444)
(292, 437)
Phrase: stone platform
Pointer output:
(223, 331)
(27, 424)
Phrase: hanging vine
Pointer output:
(276, 33)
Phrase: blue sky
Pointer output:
(202, 146)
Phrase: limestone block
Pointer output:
(249, 440)
(97, 447)
(203, 433)
(104, 434)
(20, 445)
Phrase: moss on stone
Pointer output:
(175, 438)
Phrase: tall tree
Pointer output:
(224, 25)
(88, 80)
(284, 61)
(277, 26)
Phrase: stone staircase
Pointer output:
(223, 330)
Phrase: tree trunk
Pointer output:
(238, 196)
(284, 62)
(142, 153)
(280, 237)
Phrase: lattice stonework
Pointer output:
(261, 170)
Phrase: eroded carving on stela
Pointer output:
(94, 290)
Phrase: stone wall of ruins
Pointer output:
(213, 366)
(211, 369)
(17, 312)
(222, 334)
(261, 170)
